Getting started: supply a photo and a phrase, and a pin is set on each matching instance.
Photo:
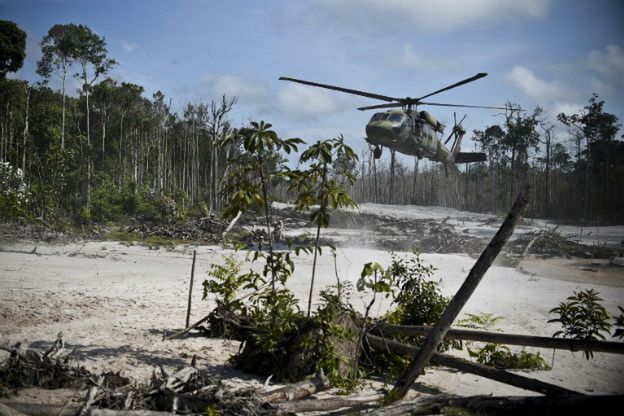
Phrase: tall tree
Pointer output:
(57, 49)
(12, 47)
(602, 154)
(89, 51)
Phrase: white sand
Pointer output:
(113, 303)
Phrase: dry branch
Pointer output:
(511, 339)
(462, 296)
(495, 374)
(326, 405)
(298, 390)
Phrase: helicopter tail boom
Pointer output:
(469, 157)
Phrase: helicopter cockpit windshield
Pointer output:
(395, 118)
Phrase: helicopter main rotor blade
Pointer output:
(461, 105)
(373, 107)
(457, 84)
(347, 90)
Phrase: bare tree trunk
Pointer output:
(25, 133)
(63, 107)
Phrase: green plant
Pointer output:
(582, 317)
(417, 301)
(317, 188)
(226, 281)
(500, 356)
(247, 185)
(497, 355)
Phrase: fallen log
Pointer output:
(326, 405)
(435, 337)
(564, 405)
(511, 339)
(492, 373)
(298, 390)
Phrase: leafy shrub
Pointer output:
(582, 317)
(497, 355)
(418, 301)
(500, 356)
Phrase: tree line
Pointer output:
(108, 151)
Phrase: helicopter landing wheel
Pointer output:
(377, 152)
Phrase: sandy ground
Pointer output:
(114, 302)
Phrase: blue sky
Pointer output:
(555, 53)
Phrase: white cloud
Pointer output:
(608, 62)
(436, 16)
(566, 108)
(540, 90)
(407, 58)
(233, 86)
(299, 102)
(128, 46)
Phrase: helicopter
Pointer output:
(409, 131)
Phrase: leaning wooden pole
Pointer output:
(462, 296)
(190, 298)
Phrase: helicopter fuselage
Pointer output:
(408, 132)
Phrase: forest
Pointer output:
(107, 152)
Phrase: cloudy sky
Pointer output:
(553, 53)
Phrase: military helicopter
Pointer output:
(410, 131)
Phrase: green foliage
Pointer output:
(497, 355)
(111, 203)
(420, 300)
(483, 321)
(12, 47)
(315, 187)
(226, 280)
(328, 317)
(582, 317)
(500, 356)
(246, 185)
(417, 301)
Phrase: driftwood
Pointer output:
(462, 296)
(495, 374)
(179, 379)
(93, 391)
(512, 339)
(326, 405)
(298, 390)
(564, 405)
